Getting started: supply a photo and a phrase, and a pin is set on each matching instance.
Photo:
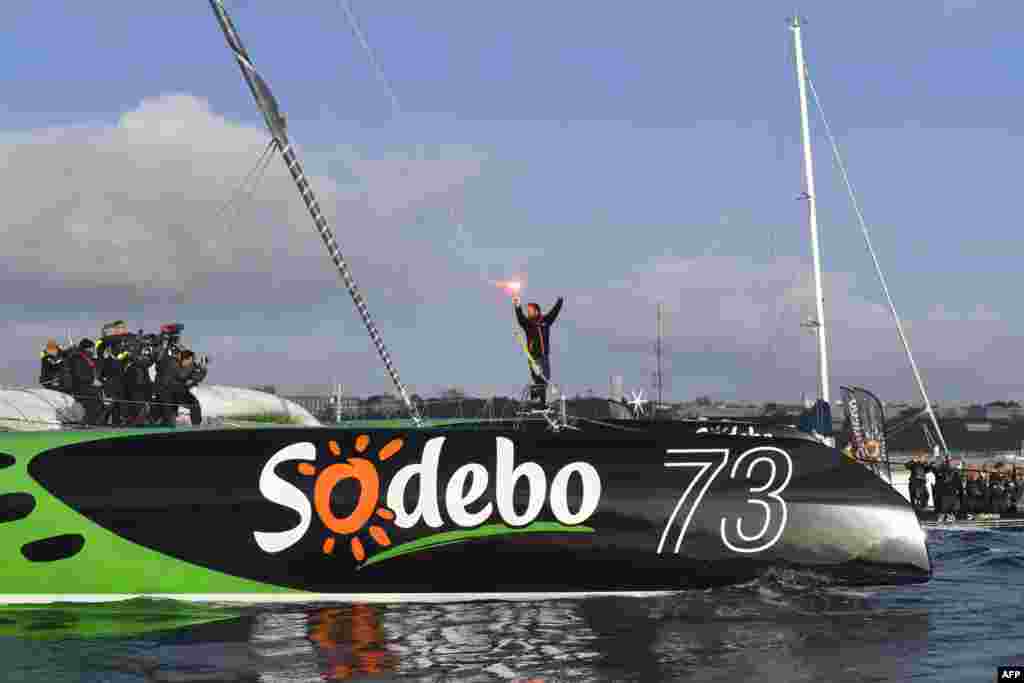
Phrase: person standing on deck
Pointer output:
(54, 374)
(996, 492)
(176, 380)
(85, 383)
(948, 491)
(1013, 489)
(537, 327)
(919, 469)
(975, 493)
(111, 356)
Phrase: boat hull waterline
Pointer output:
(269, 514)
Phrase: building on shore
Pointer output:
(325, 407)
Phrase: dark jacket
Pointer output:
(172, 378)
(168, 374)
(948, 481)
(976, 488)
(919, 470)
(83, 373)
(113, 355)
(538, 332)
(136, 377)
(53, 374)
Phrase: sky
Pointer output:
(618, 156)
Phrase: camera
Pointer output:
(142, 348)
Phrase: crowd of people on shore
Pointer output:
(961, 492)
(124, 378)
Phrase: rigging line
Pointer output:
(60, 411)
(878, 267)
(361, 37)
(259, 168)
(272, 146)
(608, 424)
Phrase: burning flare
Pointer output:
(511, 287)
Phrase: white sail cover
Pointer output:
(37, 409)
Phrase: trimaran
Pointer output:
(500, 509)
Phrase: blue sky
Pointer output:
(616, 156)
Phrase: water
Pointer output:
(783, 627)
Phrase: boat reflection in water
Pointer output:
(785, 626)
(351, 641)
(788, 626)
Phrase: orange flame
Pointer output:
(511, 287)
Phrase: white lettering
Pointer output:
(505, 485)
(704, 466)
(560, 490)
(468, 486)
(456, 502)
(771, 490)
(277, 490)
(426, 506)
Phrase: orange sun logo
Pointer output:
(365, 474)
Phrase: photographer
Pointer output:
(85, 383)
(55, 373)
(170, 341)
(138, 386)
(112, 352)
(175, 380)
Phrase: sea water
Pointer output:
(785, 626)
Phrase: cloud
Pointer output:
(120, 221)
(130, 213)
(730, 317)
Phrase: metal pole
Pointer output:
(276, 124)
(809, 195)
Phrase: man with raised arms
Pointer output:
(537, 327)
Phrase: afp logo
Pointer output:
(466, 487)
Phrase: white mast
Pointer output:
(819, 294)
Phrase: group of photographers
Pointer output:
(965, 492)
(125, 378)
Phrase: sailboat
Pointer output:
(818, 420)
(864, 411)
(519, 508)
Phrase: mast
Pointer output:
(819, 295)
(276, 124)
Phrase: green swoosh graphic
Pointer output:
(107, 563)
(486, 531)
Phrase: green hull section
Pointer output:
(107, 564)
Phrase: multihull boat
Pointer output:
(475, 510)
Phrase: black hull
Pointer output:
(605, 512)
